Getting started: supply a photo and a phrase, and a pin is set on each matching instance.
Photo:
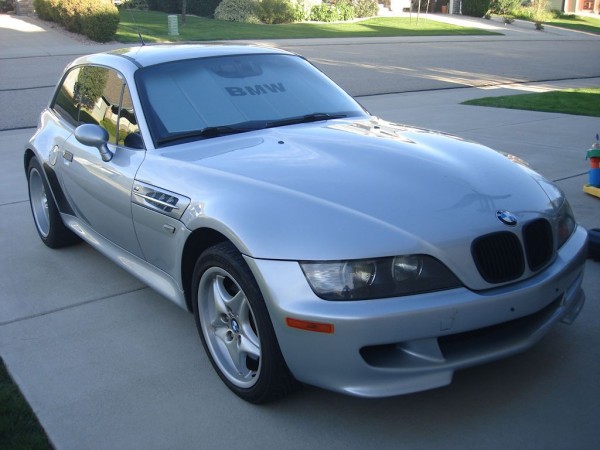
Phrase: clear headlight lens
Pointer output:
(566, 223)
(405, 268)
(378, 278)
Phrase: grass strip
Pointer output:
(579, 23)
(153, 27)
(19, 427)
(580, 102)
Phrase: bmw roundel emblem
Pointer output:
(506, 217)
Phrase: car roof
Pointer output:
(148, 55)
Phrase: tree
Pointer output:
(90, 85)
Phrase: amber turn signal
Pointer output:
(310, 326)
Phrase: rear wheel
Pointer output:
(235, 327)
(46, 216)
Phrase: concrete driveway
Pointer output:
(107, 363)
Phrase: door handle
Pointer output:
(67, 155)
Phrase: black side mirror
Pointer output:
(134, 140)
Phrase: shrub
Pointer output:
(535, 13)
(275, 11)
(475, 8)
(365, 8)
(540, 11)
(97, 19)
(204, 8)
(168, 6)
(346, 10)
(100, 26)
(504, 7)
(300, 11)
(41, 9)
(524, 13)
(238, 11)
(133, 4)
(324, 13)
(6, 5)
(333, 11)
(47, 9)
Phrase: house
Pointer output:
(576, 6)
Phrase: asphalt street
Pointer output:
(108, 363)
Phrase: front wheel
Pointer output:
(235, 327)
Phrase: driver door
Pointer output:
(99, 192)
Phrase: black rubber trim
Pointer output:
(57, 192)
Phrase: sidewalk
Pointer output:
(23, 36)
(519, 29)
(107, 363)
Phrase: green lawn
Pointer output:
(153, 27)
(581, 23)
(19, 428)
(581, 102)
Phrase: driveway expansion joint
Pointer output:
(75, 305)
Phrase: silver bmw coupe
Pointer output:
(313, 242)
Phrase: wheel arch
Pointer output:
(26, 158)
(196, 243)
(52, 180)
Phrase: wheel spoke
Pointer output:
(237, 302)
(237, 358)
(219, 295)
(250, 341)
(249, 345)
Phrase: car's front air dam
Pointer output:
(400, 345)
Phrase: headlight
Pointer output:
(378, 278)
(566, 223)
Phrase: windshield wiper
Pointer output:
(314, 117)
(208, 132)
(222, 130)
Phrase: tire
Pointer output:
(48, 223)
(594, 244)
(235, 327)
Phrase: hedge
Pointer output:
(238, 11)
(475, 8)
(97, 19)
(204, 8)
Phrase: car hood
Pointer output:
(351, 189)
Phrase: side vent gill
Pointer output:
(159, 200)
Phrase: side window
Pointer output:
(92, 94)
(65, 103)
(129, 132)
(98, 90)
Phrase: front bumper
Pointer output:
(400, 345)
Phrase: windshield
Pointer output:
(209, 97)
